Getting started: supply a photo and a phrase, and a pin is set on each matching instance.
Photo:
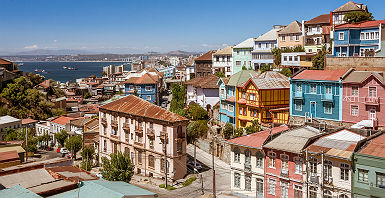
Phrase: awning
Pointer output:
(363, 123)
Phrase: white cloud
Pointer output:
(54, 41)
(31, 47)
(224, 45)
(205, 45)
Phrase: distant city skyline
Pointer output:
(143, 26)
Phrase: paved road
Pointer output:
(194, 190)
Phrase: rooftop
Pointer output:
(366, 24)
(292, 28)
(225, 51)
(351, 6)
(321, 19)
(360, 76)
(28, 121)
(241, 77)
(206, 57)
(374, 146)
(270, 80)
(334, 75)
(19, 192)
(8, 119)
(144, 79)
(256, 140)
(270, 35)
(5, 62)
(136, 106)
(248, 43)
(45, 84)
(63, 120)
(207, 82)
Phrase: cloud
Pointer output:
(31, 47)
(224, 45)
(54, 41)
(205, 45)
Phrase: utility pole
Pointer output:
(212, 152)
(203, 192)
(165, 157)
(26, 144)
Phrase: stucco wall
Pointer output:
(359, 63)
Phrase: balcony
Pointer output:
(372, 100)
(328, 180)
(284, 173)
(151, 133)
(139, 143)
(314, 179)
(327, 98)
(104, 121)
(115, 137)
(247, 167)
(163, 136)
(298, 95)
(139, 129)
(126, 127)
(114, 123)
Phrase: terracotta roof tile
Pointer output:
(349, 6)
(256, 140)
(375, 147)
(365, 24)
(206, 57)
(136, 106)
(5, 62)
(144, 79)
(324, 18)
(63, 120)
(28, 121)
(45, 84)
(207, 82)
(334, 75)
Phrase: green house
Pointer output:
(368, 178)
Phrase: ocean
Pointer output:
(57, 73)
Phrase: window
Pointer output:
(230, 108)
(148, 98)
(131, 87)
(133, 157)
(259, 186)
(243, 94)
(267, 45)
(298, 105)
(252, 97)
(148, 88)
(284, 164)
(237, 180)
(217, 58)
(222, 92)
(328, 171)
(139, 157)
(343, 196)
(327, 194)
(367, 35)
(238, 63)
(137, 88)
(253, 112)
(328, 108)
(344, 168)
(363, 175)
(328, 89)
(313, 165)
(224, 106)
(272, 157)
(259, 45)
(371, 35)
(340, 36)
(291, 38)
(380, 179)
(354, 110)
(377, 35)
(362, 36)
(313, 88)
(295, 58)
(105, 146)
(284, 58)
(297, 37)
(259, 160)
(355, 91)
(372, 92)
(272, 183)
(151, 161)
(237, 155)
(299, 87)
(312, 192)
(290, 58)
(297, 191)
(238, 54)
(228, 60)
(298, 165)
(283, 38)
(247, 157)
(240, 111)
(284, 190)
(248, 182)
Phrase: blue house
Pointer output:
(146, 87)
(168, 72)
(227, 94)
(317, 94)
(360, 40)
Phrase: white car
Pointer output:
(63, 151)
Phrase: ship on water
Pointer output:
(70, 68)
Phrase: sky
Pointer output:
(137, 26)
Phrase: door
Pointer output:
(313, 108)
(372, 114)
(259, 188)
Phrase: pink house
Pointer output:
(284, 166)
(363, 93)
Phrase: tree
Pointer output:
(238, 132)
(228, 131)
(61, 137)
(318, 61)
(74, 144)
(244, 67)
(87, 95)
(195, 130)
(253, 128)
(358, 16)
(220, 74)
(118, 168)
(196, 112)
(20, 134)
(178, 98)
(286, 71)
(265, 67)
(88, 154)
(277, 54)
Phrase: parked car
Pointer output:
(69, 155)
(58, 149)
(63, 151)
(198, 166)
(164, 104)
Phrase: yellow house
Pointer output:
(290, 36)
(261, 96)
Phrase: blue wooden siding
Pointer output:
(142, 92)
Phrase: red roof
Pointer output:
(136, 106)
(365, 24)
(256, 140)
(28, 121)
(206, 57)
(145, 79)
(324, 18)
(375, 147)
(333, 75)
(5, 62)
(45, 84)
(207, 82)
(230, 99)
(63, 120)
(9, 156)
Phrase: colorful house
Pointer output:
(204, 64)
(261, 55)
(337, 15)
(247, 163)
(284, 163)
(317, 94)
(363, 94)
(203, 91)
(168, 71)
(242, 55)
(223, 61)
(369, 167)
(362, 39)
(329, 164)
(257, 96)
(146, 87)
(290, 36)
(227, 93)
(317, 33)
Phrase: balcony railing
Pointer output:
(163, 136)
(126, 127)
(139, 129)
(314, 179)
(104, 121)
(138, 143)
(151, 132)
(114, 123)
(247, 167)
(116, 137)
(327, 98)
(284, 173)
(298, 95)
(372, 100)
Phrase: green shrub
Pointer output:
(189, 181)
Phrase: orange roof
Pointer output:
(63, 120)
(145, 79)
(334, 75)
(5, 62)
(28, 121)
(375, 147)
(365, 24)
(45, 84)
(324, 18)
(9, 156)
(231, 99)
(207, 82)
(257, 139)
(136, 106)
(206, 57)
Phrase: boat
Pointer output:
(37, 70)
(72, 68)
(65, 67)
(20, 64)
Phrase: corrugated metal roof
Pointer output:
(292, 28)
(271, 35)
(18, 192)
(293, 140)
(328, 75)
(207, 82)
(16, 148)
(365, 24)
(360, 76)
(241, 77)
(225, 51)
(248, 43)
(271, 80)
(375, 147)
(349, 6)
(7, 119)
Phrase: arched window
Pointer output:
(343, 196)
(247, 156)
(327, 194)
(180, 132)
(237, 155)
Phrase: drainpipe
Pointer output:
(145, 144)
(322, 174)
(379, 38)
(307, 173)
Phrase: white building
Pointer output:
(8, 122)
(203, 91)
(190, 70)
(174, 61)
(223, 61)
(297, 59)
